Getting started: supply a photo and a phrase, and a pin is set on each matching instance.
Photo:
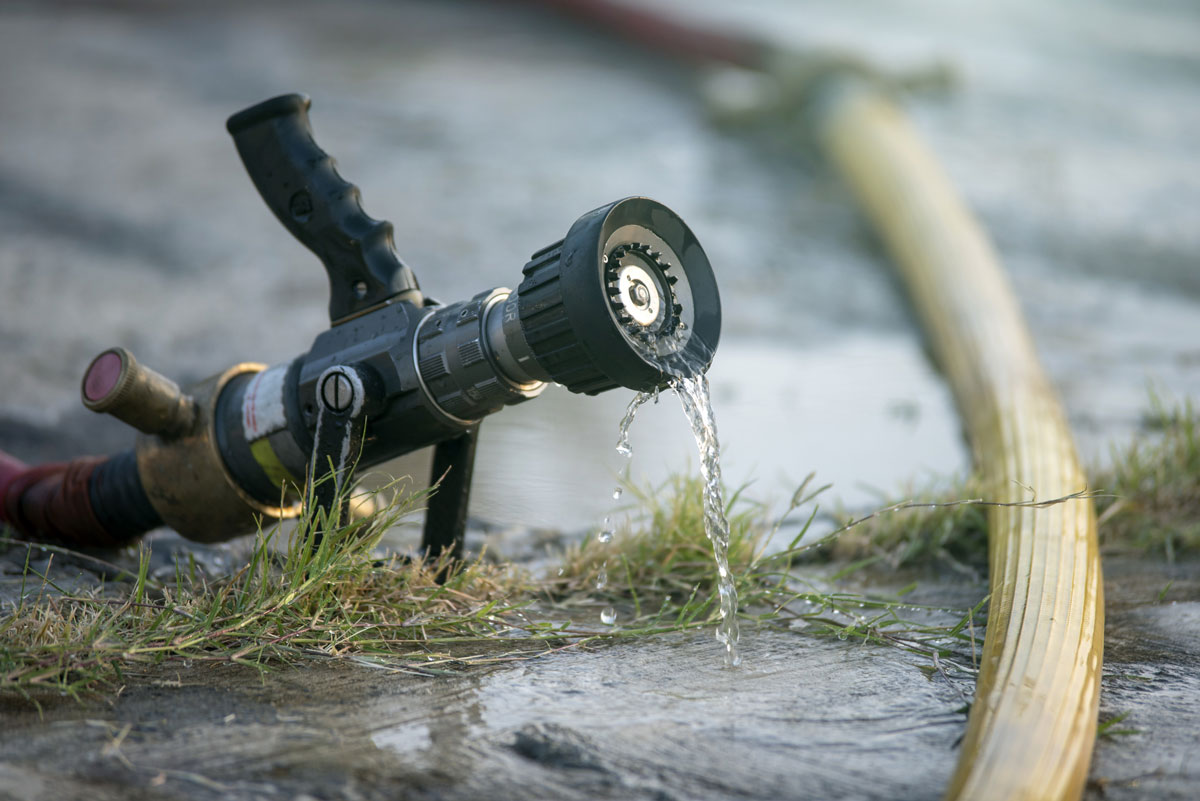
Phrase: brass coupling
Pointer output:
(178, 457)
(116, 384)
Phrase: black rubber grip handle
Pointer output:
(301, 185)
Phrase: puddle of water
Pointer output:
(403, 737)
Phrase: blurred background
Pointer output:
(483, 129)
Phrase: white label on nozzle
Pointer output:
(262, 404)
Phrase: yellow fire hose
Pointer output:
(1033, 722)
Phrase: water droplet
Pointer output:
(561, 571)
(617, 493)
(608, 616)
(606, 535)
(602, 578)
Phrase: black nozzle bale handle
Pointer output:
(300, 184)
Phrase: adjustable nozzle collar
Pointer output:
(627, 298)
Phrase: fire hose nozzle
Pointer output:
(627, 298)
(116, 384)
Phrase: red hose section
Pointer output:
(51, 502)
(665, 34)
(10, 468)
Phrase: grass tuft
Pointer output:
(321, 597)
(1148, 502)
(665, 551)
(1110, 727)
(932, 530)
(1155, 482)
(661, 567)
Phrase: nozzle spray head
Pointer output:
(627, 298)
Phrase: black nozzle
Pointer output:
(627, 298)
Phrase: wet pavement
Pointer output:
(805, 717)
(576, 726)
(481, 131)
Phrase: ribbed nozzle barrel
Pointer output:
(116, 384)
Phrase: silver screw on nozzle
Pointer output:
(337, 393)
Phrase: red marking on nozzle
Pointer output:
(102, 376)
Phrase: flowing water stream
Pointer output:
(697, 407)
